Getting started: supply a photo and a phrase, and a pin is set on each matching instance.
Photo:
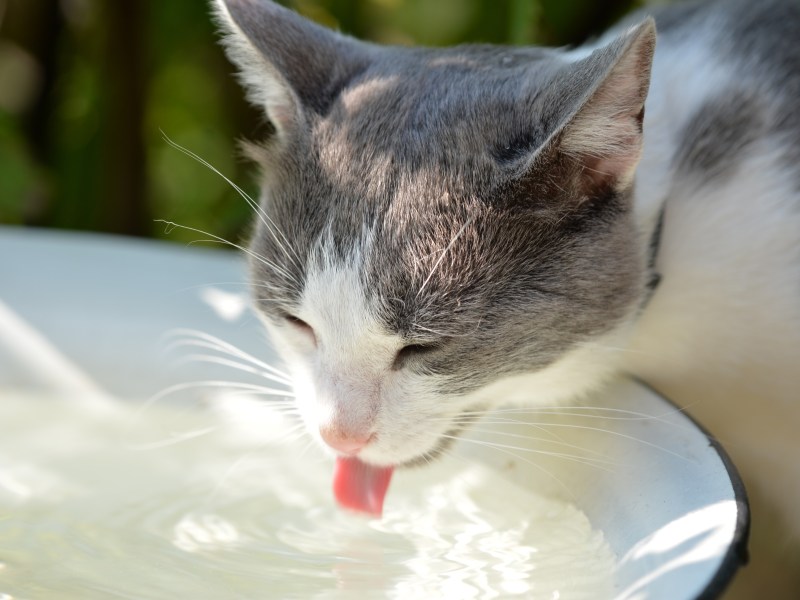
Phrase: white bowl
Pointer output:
(675, 514)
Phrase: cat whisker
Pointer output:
(209, 358)
(545, 424)
(283, 406)
(200, 286)
(170, 225)
(580, 415)
(594, 462)
(252, 388)
(438, 262)
(620, 435)
(465, 419)
(193, 385)
(447, 334)
(262, 215)
(572, 411)
(273, 265)
(266, 286)
(588, 168)
(245, 284)
(548, 440)
(536, 466)
(292, 434)
(227, 348)
(174, 439)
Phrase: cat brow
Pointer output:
(438, 262)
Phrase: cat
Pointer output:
(444, 230)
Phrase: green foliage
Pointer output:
(18, 174)
(65, 161)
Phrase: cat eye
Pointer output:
(300, 325)
(411, 352)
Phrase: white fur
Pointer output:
(722, 334)
(597, 362)
(345, 381)
(683, 76)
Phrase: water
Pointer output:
(200, 502)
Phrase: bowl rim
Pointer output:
(737, 554)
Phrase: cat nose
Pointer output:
(346, 443)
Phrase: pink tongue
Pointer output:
(359, 486)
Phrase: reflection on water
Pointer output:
(99, 506)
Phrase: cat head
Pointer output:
(440, 229)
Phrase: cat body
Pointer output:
(446, 230)
(721, 335)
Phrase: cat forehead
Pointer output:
(416, 103)
(415, 148)
(460, 73)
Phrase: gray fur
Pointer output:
(285, 37)
(760, 42)
(420, 147)
(719, 134)
(492, 224)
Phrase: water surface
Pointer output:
(217, 501)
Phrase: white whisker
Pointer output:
(180, 387)
(278, 405)
(175, 438)
(618, 434)
(226, 362)
(443, 254)
(262, 215)
(570, 410)
(523, 459)
(548, 440)
(468, 420)
(592, 462)
(170, 225)
(228, 348)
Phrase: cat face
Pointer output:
(440, 230)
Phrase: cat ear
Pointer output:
(600, 142)
(287, 64)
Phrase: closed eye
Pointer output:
(410, 353)
(300, 326)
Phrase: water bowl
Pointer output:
(146, 453)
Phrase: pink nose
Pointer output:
(344, 442)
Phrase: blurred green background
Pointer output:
(88, 86)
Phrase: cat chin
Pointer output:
(403, 460)
(428, 457)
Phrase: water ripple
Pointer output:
(86, 513)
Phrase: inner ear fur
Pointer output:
(289, 65)
(597, 148)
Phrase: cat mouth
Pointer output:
(446, 440)
(362, 487)
(443, 445)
